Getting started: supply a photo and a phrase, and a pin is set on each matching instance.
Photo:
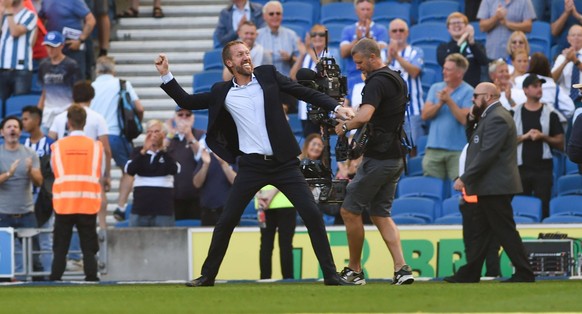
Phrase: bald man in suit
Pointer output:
(491, 173)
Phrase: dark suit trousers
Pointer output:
(494, 217)
(492, 258)
(281, 220)
(254, 173)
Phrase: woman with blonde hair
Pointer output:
(517, 41)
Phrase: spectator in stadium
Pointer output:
(281, 42)
(214, 178)
(520, 61)
(133, 10)
(575, 141)
(77, 163)
(384, 101)
(499, 18)
(463, 42)
(106, 102)
(95, 127)
(499, 75)
(184, 144)
(517, 41)
(38, 51)
(315, 43)
(491, 173)
(538, 132)
(42, 195)
(566, 70)
(564, 14)
(247, 33)
(19, 168)
(446, 107)
(76, 22)
(56, 74)
(233, 17)
(262, 161)
(16, 39)
(153, 188)
(100, 10)
(560, 103)
(280, 217)
(409, 60)
(351, 34)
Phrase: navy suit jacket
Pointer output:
(491, 167)
(222, 135)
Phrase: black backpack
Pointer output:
(129, 121)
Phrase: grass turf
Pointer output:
(375, 297)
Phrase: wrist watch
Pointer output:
(345, 127)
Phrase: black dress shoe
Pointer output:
(337, 280)
(201, 281)
(519, 279)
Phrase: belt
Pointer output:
(261, 156)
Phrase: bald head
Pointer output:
(485, 94)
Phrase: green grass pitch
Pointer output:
(313, 297)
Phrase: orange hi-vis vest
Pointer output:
(469, 198)
(76, 162)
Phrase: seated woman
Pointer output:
(517, 41)
(520, 60)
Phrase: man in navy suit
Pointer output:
(246, 120)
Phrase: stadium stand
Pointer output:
(424, 187)
(479, 35)
(529, 207)
(429, 33)
(14, 104)
(436, 11)
(566, 205)
(417, 207)
(421, 145)
(338, 12)
(570, 184)
(414, 165)
(295, 13)
(385, 12)
(541, 36)
(203, 81)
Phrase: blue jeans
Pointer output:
(20, 221)
(120, 150)
(414, 128)
(75, 247)
(136, 220)
(45, 240)
(14, 83)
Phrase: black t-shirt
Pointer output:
(388, 115)
(532, 153)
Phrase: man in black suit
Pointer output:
(246, 120)
(491, 173)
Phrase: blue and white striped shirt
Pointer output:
(16, 52)
(415, 56)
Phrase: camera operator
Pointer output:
(383, 105)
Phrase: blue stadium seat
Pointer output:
(203, 81)
(299, 29)
(536, 47)
(426, 187)
(334, 32)
(428, 77)
(570, 167)
(523, 220)
(36, 88)
(421, 145)
(414, 165)
(188, 223)
(315, 8)
(562, 219)
(408, 220)
(566, 205)
(212, 60)
(450, 206)
(429, 34)
(436, 11)
(295, 13)
(249, 216)
(385, 12)
(430, 59)
(15, 104)
(449, 220)
(570, 184)
(527, 206)
(540, 35)
(417, 207)
(338, 12)
(295, 124)
(201, 122)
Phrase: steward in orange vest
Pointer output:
(77, 165)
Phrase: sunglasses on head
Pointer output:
(274, 13)
(517, 42)
(396, 30)
(320, 34)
